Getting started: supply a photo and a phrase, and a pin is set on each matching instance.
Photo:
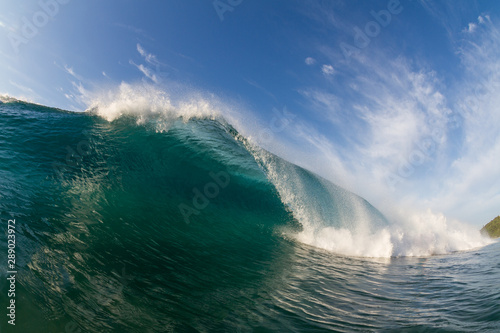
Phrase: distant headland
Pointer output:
(492, 229)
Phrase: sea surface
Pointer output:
(154, 222)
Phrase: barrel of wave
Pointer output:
(331, 217)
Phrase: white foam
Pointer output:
(144, 101)
(409, 233)
(420, 234)
(4, 98)
(346, 242)
(427, 233)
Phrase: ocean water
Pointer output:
(137, 219)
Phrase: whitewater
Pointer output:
(150, 212)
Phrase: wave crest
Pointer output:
(146, 101)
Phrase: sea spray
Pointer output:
(427, 233)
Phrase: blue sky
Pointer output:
(395, 100)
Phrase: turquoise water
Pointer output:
(183, 225)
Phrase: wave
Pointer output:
(187, 165)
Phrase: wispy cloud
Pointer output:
(382, 123)
(71, 72)
(473, 180)
(258, 86)
(21, 87)
(325, 105)
(153, 68)
(77, 93)
(389, 117)
(149, 57)
(134, 29)
(146, 71)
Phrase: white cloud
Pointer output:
(481, 19)
(310, 61)
(79, 95)
(149, 57)
(327, 69)
(79, 87)
(146, 71)
(471, 28)
(154, 75)
(71, 72)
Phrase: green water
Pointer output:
(125, 227)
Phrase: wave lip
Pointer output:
(147, 102)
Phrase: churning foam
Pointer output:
(417, 234)
(427, 233)
(359, 234)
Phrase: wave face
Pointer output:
(142, 217)
(197, 171)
